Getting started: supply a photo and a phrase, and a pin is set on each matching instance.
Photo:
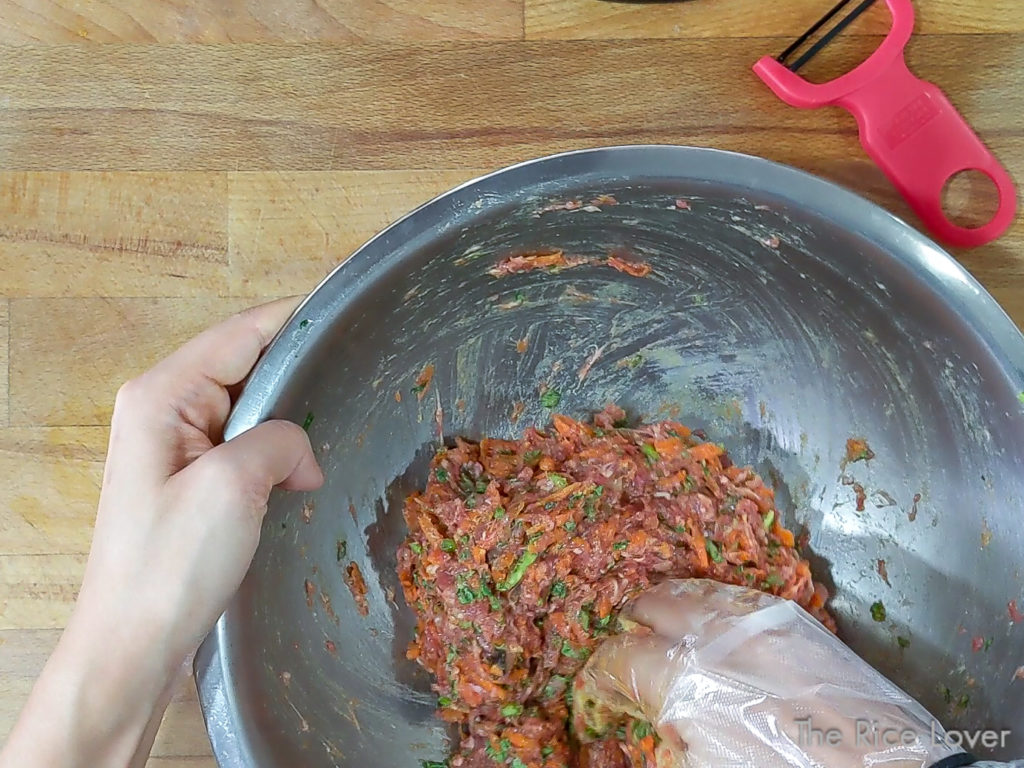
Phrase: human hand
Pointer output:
(180, 513)
(178, 523)
(732, 677)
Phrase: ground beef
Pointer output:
(520, 554)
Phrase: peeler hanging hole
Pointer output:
(970, 198)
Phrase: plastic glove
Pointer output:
(730, 676)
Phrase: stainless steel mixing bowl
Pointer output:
(783, 316)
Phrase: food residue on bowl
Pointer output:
(547, 260)
(357, 586)
(423, 381)
(857, 449)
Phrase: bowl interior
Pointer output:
(777, 329)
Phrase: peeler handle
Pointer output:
(908, 127)
(917, 137)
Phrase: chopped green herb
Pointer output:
(499, 513)
(584, 619)
(559, 589)
(448, 545)
(465, 595)
(555, 686)
(518, 571)
(633, 362)
(441, 474)
(641, 729)
(704, 466)
(551, 398)
(650, 452)
(619, 545)
(499, 755)
(444, 702)
(517, 763)
(547, 751)
(418, 389)
(902, 642)
(549, 505)
(602, 623)
(416, 547)
(512, 710)
(557, 480)
(467, 483)
(878, 611)
(342, 549)
(772, 580)
(947, 695)
(769, 519)
(598, 490)
(620, 733)
(963, 702)
(433, 764)
(453, 654)
(713, 552)
(304, 324)
(308, 421)
(569, 525)
(987, 645)
(531, 457)
(573, 653)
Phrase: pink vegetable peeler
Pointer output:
(907, 125)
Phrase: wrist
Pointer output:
(94, 704)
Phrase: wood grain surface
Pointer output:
(163, 164)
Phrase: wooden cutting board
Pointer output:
(164, 164)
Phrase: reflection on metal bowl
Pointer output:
(782, 315)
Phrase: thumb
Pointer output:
(271, 454)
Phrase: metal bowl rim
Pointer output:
(845, 209)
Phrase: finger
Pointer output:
(271, 454)
(192, 384)
(627, 675)
(227, 352)
(699, 607)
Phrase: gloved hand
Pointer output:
(733, 677)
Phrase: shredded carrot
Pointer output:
(673, 481)
(700, 547)
(670, 447)
(705, 452)
(520, 740)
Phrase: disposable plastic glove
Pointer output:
(733, 678)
